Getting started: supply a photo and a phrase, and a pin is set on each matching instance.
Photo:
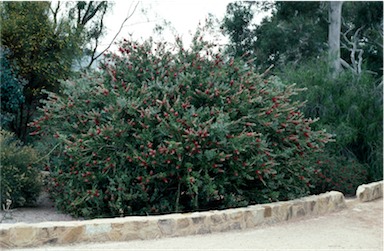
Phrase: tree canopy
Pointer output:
(298, 31)
(46, 41)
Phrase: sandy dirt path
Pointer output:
(359, 227)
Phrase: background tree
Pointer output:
(294, 31)
(298, 31)
(334, 14)
(46, 40)
(87, 22)
(362, 36)
(42, 54)
(11, 90)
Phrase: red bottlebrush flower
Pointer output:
(268, 112)
(306, 135)
(229, 136)
(274, 99)
(34, 133)
(295, 122)
(152, 153)
(276, 105)
(139, 178)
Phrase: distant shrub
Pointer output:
(164, 129)
(20, 181)
(351, 107)
(338, 173)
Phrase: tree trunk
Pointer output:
(334, 30)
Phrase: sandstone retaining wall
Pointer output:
(151, 227)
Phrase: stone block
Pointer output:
(22, 236)
(267, 211)
(254, 216)
(369, 192)
(281, 211)
(167, 226)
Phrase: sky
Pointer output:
(184, 16)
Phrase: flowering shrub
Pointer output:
(337, 173)
(163, 129)
(18, 178)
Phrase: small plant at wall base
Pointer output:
(164, 129)
(20, 180)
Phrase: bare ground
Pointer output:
(43, 211)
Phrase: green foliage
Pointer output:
(164, 129)
(350, 107)
(11, 90)
(20, 180)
